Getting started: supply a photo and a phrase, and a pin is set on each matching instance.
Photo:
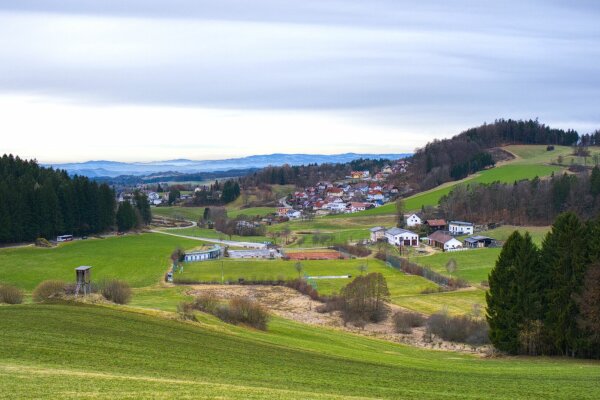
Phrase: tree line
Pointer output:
(546, 301)
(214, 194)
(444, 160)
(528, 202)
(43, 202)
(310, 174)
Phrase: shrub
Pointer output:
(404, 321)
(304, 287)
(463, 329)
(205, 302)
(48, 290)
(42, 242)
(116, 291)
(10, 294)
(242, 310)
(186, 311)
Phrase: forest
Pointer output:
(547, 301)
(451, 159)
(310, 174)
(43, 202)
(528, 202)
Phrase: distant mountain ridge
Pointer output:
(106, 168)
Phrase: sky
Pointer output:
(141, 80)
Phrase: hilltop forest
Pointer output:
(451, 159)
(43, 202)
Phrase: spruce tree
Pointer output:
(564, 258)
(502, 316)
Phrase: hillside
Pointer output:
(112, 353)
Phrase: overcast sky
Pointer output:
(152, 80)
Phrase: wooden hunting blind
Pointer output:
(83, 276)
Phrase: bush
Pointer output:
(304, 287)
(42, 242)
(366, 298)
(205, 302)
(243, 311)
(463, 329)
(116, 291)
(48, 290)
(10, 294)
(404, 321)
(186, 311)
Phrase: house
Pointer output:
(282, 211)
(375, 195)
(293, 214)
(335, 192)
(442, 240)
(476, 242)
(413, 220)
(336, 206)
(402, 237)
(203, 255)
(460, 228)
(436, 224)
(377, 233)
(359, 174)
(357, 206)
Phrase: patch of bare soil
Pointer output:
(288, 303)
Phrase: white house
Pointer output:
(336, 206)
(402, 237)
(442, 240)
(413, 220)
(460, 228)
(294, 214)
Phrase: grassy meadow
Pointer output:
(141, 260)
(116, 353)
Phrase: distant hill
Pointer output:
(103, 168)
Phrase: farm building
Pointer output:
(413, 220)
(460, 228)
(377, 233)
(436, 224)
(442, 240)
(401, 237)
(203, 255)
(254, 253)
(475, 242)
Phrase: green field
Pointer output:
(108, 353)
(532, 162)
(455, 302)
(210, 271)
(212, 234)
(141, 260)
(502, 233)
(472, 265)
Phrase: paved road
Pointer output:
(234, 243)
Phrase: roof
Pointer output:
(461, 223)
(399, 231)
(83, 268)
(440, 237)
(435, 222)
(377, 229)
(475, 239)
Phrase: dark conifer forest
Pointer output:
(42, 202)
(547, 300)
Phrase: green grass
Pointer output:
(212, 234)
(456, 302)
(502, 233)
(140, 260)
(210, 271)
(176, 212)
(159, 298)
(472, 265)
(108, 353)
(251, 212)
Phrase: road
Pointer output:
(250, 245)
